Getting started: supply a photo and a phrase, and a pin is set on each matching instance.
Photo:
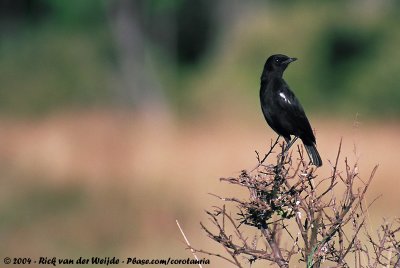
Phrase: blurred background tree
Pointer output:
(185, 56)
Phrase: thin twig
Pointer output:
(187, 243)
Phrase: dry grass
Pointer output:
(152, 171)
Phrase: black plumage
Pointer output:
(281, 108)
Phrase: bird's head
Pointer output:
(277, 63)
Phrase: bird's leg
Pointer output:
(290, 143)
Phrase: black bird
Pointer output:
(281, 108)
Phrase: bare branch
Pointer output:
(283, 197)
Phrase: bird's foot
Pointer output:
(283, 154)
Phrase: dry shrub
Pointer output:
(297, 218)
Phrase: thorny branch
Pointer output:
(328, 217)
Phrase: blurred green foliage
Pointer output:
(348, 54)
(61, 59)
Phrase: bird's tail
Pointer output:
(314, 155)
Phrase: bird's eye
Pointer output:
(277, 60)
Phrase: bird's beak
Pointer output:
(289, 60)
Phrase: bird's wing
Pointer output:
(293, 115)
